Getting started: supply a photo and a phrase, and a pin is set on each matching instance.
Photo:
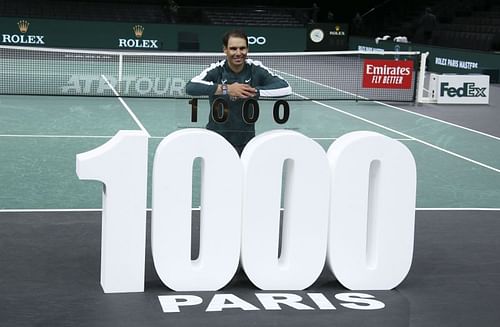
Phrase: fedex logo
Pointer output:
(467, 90)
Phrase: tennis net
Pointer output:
(340, 75)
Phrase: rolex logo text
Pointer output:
(22, 38)
(138, 42)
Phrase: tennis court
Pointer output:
(40, 137)
(50, 220)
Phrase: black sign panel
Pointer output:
(326, 37)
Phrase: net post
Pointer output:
(421, 79)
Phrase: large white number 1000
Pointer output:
(354, 206)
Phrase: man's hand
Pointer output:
(241, 90)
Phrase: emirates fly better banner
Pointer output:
(387, 74)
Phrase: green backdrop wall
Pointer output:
(169, 37)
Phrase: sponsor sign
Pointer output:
(23, 38)
(370, 49)
(256, 40)
(325, 37)
(456, 63)
(460, 89)
(138, 42)
(129, 85)
(387, 74)
(142, 36)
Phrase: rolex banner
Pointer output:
(139, 36)
(327, 37)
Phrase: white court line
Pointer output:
(198, 209)
(68, 136)
(152, 137)
(458, 209)
(59, 210)
(47, 210)
(439, 120)
(56, 136)
(334, 138)
(131, 113)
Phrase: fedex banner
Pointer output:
(457, 89)
(387, 74)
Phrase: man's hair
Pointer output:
(234, 33)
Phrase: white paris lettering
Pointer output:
(271, 301)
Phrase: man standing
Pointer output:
(428, 22)
(235, 80)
